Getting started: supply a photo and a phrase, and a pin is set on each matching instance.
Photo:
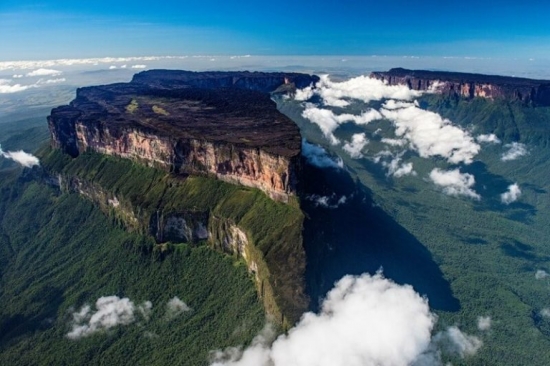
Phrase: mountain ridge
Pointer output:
(217, 123)
(469, 85)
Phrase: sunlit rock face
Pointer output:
(222, 124)
(527, 91)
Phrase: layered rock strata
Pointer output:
(221, 124)
(526, 91)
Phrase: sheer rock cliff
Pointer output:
(527, 91)
(221, 124)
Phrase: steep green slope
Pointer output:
(59, 252)
(147, 199)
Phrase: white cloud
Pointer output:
(176, 307)
(52, 81)
(17, 76)
(489, 138)
(44, 72)
(331, 201)
(428, 133)
(8, 89)
(26, 65)
(357, 143)
(361, 88)
(21, 157)
(365, 320)
(111, 311)
(392, 162)
(454, 182)
(112, 67)
(394, 104)
(319, 157)
(325, 119)
(397, 169)
(328, 122)
(394, 142)
(304, 94)
(484, 323)
(454, 341)
(515, 151)
(511, 195)
(541, 274)
(123, 66)
(139, 66)
(431, 135)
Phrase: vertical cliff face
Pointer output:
(252, 167)
(265, 234)
(191, 124)
(527, 91)
(197, 130)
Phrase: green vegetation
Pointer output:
(272, 228)
(486, 251)
(59, 253)
(510, 121)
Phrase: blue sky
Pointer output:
(66, 29)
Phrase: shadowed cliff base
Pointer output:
(358, 237)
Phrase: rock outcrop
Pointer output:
(222, 124)
(526, 91)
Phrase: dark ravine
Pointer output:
(527, 91)
(222, 124)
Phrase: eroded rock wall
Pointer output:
(527, 91)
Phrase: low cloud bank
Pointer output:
(427, 132)
(364, 321)
(511, 195)
(357, 143)
(431, 135)
(328, 121)
(490, 138)
(44, 72)
(7, 88)
(25, 159)
(110, 311)
(393, 164)
(176, 307)
(113, 311)
(331, 201)
(361, 88)
(454, 183)
(317, 156)
(515, 151)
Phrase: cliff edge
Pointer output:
(465, 85)
(222, 124)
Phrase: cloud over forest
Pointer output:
(25, 159)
